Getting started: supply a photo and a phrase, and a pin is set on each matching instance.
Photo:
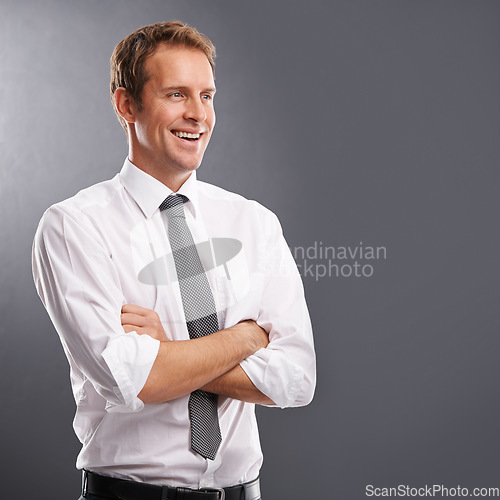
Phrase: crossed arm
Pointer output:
(80, 286)
(210, 363)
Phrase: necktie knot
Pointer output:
(173, 205)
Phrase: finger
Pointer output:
(132, 328)
(133, 319)
(134, 309)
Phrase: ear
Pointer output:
(125, 105)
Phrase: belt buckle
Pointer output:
(84, 482)
(221, 492)
(252, 490)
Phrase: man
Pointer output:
(178, 304)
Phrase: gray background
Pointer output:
(373, 121)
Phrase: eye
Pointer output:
(207, 97)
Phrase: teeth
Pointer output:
(186, 135)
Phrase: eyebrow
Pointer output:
(184, 89)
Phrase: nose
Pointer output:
(195, 110)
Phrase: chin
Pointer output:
(190, 165)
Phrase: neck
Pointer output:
(172, 178)
(172, 181)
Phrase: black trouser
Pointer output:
(88, 496)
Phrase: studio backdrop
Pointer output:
(371, 128)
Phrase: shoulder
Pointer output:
(237, 211)
(82, 207)
(236, 202)
(100, 194)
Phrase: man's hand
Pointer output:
(143, 321)
(258, 335)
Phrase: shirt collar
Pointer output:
(149, 192)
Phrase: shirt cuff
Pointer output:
(279, 380)
(130, 358)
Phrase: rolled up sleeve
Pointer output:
(286, 370)
(78, 284)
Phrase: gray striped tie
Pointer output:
(201, 320)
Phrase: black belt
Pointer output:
(123, 489)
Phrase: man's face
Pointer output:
(174, 125)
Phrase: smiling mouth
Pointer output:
(186, 135)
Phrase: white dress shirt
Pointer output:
(108, 246)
